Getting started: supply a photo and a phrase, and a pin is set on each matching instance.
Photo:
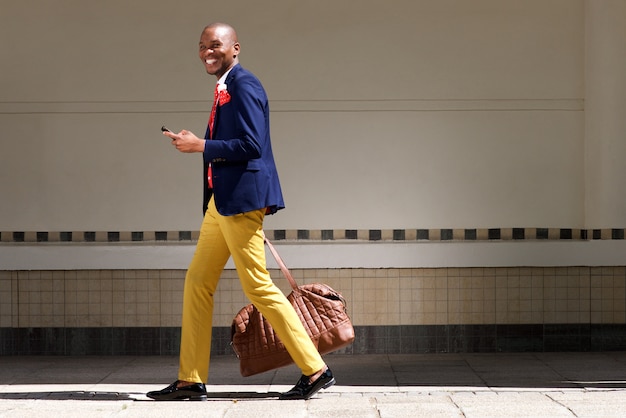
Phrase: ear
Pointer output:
(237, 49)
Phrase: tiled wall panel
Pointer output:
(393, 310)
(443, 296)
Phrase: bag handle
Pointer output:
(280, 263)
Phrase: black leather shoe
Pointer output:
(305, 389)
(195, 392)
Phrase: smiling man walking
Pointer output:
(241, 187)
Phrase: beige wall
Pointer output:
(605, 107)
(397, 114)
(394, 114)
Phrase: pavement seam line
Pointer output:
(547, 395)
(457, 405)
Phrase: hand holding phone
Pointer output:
(185, 141)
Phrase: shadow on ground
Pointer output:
(501, 370)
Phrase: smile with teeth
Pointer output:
(210, 61)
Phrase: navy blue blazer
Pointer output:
(244, 172)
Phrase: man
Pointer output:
(241, 186)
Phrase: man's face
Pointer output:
(218, 50)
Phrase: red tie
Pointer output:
(211, 123)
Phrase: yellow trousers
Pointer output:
(239, 236)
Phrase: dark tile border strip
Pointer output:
(400, 339)
(406, 235)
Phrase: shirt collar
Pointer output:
(222, 79)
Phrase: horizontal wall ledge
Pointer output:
(307, 235)
(57, 256)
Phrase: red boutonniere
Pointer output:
(223, 95)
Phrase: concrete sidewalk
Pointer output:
(416, 385)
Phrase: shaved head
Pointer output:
(224, 29)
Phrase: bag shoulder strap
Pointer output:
(280, 263)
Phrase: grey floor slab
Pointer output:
(420, 385)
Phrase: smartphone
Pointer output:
(165, 129)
